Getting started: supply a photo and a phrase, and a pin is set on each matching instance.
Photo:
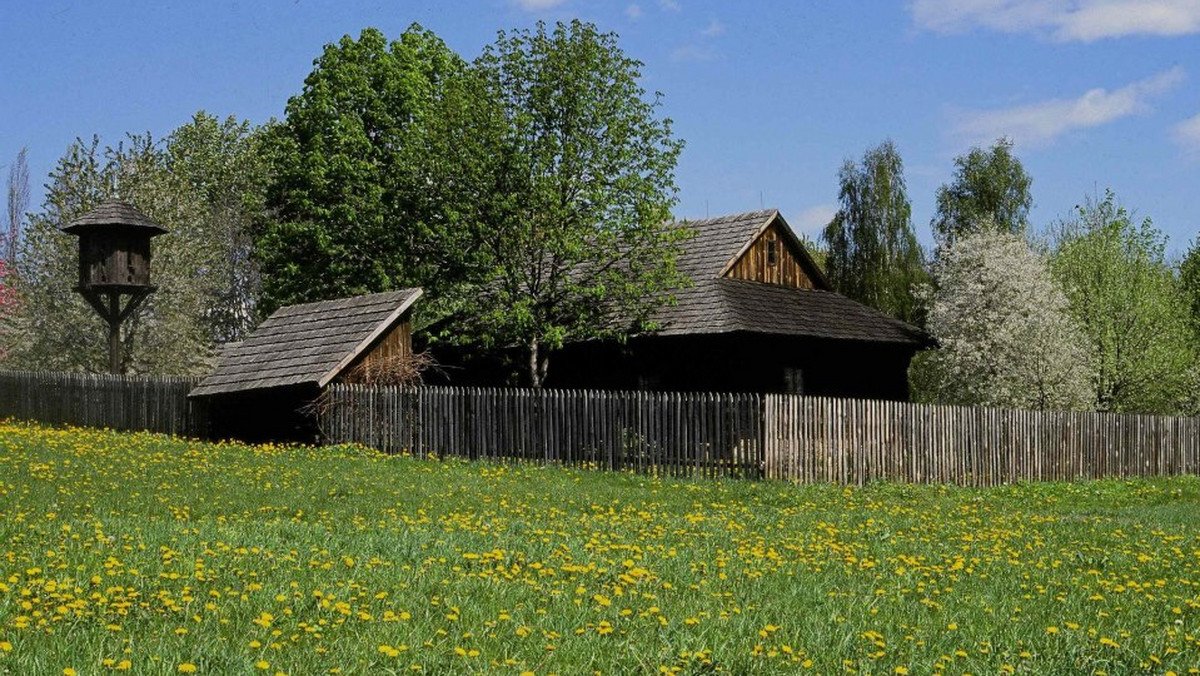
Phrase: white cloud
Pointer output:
(700, 48)
(813, 219)
(714, 29)
(1187, 135)
(669, 5)
(1063, 20)
(1039, 124)
(537, 5)
(633, 12)
(693, 52)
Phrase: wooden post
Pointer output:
(115, 366)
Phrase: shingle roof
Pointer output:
(306, 344)
(115, 212)
(714, 304)
(718, 305)
(718, 240)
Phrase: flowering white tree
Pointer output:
(1006, 335)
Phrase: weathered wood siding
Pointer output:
(395, 344)
(114, 258)
(787, 270)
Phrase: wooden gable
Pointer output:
(393, 345)
(775, 256)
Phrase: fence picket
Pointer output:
(788, 437)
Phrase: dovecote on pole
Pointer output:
(114, 262)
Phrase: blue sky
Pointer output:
(771, 97)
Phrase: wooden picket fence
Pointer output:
(154, 403)
(667, 433)
(851, 441)
(789, 437)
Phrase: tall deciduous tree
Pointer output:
(203, 183)
(221, 169)
(1006, 336)
(16, 204)
(577, 242)
(873, 254)
(990, 189)
(347, 192)
(1128, 300)
(1189, 280)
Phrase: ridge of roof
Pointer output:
(718, 240)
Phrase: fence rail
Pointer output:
(789, 437)
(154, 403)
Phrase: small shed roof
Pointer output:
(307, 344)
(114, 212)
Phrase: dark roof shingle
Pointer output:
(727, 305)
(718, 240)
(306, 344)
(115, 212)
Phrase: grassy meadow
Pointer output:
(153, 555)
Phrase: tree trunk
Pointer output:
(539, 363)
(535, 380)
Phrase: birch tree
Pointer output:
(872, 252)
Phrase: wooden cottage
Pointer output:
(263, 386)
(759, 317)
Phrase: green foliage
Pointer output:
(349, 197)
(205, 184)
(1128, 299)
(1189, 281)
(990, 188)
(872, 252)
(583, 171)
(526, 192)
(220, 170)
(365, 564)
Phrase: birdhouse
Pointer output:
(114, 248)
(114, 261)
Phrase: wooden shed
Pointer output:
(262, 387)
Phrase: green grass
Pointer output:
(165, 552)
